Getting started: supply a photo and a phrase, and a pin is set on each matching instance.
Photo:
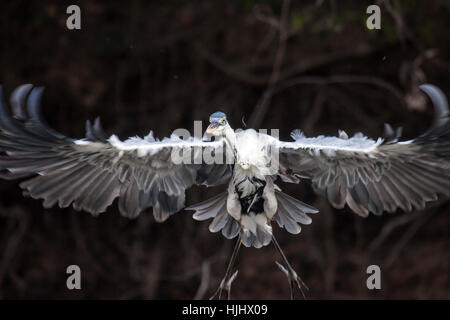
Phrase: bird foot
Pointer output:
(293, 278)
(225, 285)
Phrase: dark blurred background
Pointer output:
(159, 65)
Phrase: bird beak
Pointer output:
(212, 127)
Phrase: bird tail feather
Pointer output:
(215, 208)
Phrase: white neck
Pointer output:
(230, 136)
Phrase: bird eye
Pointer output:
(223, 121)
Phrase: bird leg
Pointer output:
(290, 273)
(225, 284)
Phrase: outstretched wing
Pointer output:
(92, 172)
(375, 176)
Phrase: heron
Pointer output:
(367, 175)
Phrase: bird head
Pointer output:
(218, 123)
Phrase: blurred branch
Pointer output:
(315, 114)
(261, 108)
(237, 72)
(399, 221)
(390, 227)
(407, 236)
(271, 21)
(341, 79)
(204, 283)
(401, 28)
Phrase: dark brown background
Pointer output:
(162, 64)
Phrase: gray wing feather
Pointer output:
(231, 229)
(205, 210)
(376, 176)
(92, 172)
(291, 212)
(220, 219)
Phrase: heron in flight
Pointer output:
(90, 173)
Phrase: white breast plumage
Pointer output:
(253, 152)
